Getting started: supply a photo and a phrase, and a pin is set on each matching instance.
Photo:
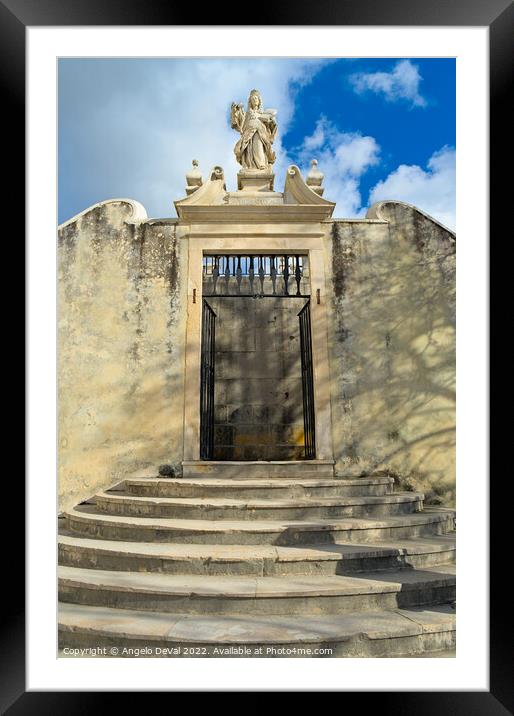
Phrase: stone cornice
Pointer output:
(253, 213)
(298, 192)
(277, 230)
(212, 203)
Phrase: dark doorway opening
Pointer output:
(257, 396)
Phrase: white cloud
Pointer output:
(402, 83)
(431, 189)
(133, 129)
(343, 157)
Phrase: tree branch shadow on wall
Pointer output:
(394, 315)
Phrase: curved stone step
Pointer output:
(196, 594)
(88, 521)
(256, 560)
(258, 468)
(221, 508)
(258, 487)
(393, 633)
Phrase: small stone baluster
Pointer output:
(193, 178)
(315, 178)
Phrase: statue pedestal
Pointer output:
(255, 180)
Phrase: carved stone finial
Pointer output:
(315, 178)
(193, 178)
(217, 173)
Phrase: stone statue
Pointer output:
(258, 128)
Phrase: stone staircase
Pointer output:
(257, 559)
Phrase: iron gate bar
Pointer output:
(207, 382)
(286, 274)
(309, 419)
(298, 274)
(287, 267)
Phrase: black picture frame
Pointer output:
(498, 15)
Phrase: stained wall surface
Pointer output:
(390, 294)
(392, 346)
(121, 321)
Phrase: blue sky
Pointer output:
(379, 128)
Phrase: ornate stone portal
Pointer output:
(237, 239)
(256, 244)
(364, 276)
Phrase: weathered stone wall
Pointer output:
(392, 343)
(391, 332)
(121, 322)
(258, 380)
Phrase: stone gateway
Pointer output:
(256, 421)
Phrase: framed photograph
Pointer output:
(243, 239)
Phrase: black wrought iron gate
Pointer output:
(309, 424)
(257, 276)
(207, 382)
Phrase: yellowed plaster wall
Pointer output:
(122, 316)
(121, 326)
(392, 349)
